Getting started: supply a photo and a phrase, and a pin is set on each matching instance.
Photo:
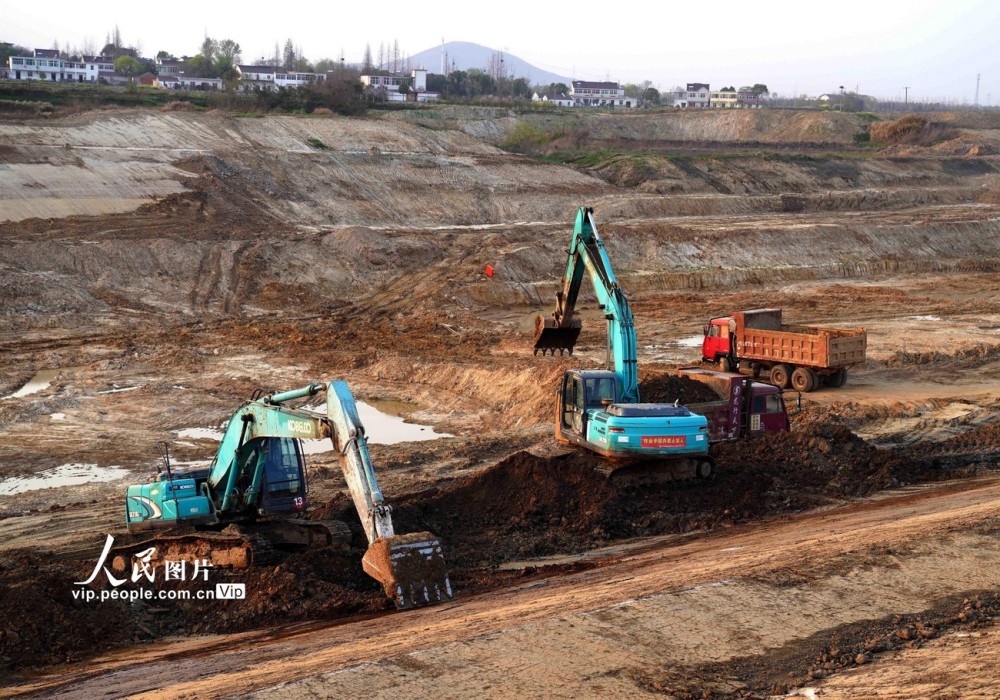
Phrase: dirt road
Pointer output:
(766, 590)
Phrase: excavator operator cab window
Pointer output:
(600, 389)
(283, 468)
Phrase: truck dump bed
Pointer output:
(760, 335)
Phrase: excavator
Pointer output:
(600, 410)
(254, 496)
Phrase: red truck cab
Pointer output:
(719, 337)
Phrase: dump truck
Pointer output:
(797, 356)
(745, 408)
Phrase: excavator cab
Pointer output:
(284, 487)
(272, 477)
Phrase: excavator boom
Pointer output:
(411, 567)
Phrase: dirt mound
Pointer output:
(910, 130)
(670, 388)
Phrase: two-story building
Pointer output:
(416, 80)
(586, 93)
(723, 99)
(256, 77)
(698, 95)
(747, 98)
(45, 64)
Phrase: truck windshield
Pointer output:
(599, 389)
(283, 469)
(770, 403)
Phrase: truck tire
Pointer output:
(724, 365)
(838, 378)
(779, 376)
(804, 379)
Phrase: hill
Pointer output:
(463, 55)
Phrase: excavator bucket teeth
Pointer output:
(411, 568)
(549, 336)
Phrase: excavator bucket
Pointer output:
(550, 336)
(411, 568)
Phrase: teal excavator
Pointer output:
(253, 497)
(599, 409)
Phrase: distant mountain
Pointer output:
(464, 55)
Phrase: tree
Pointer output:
(759, 89)
(209, 47)
(7, 50)
(227, 57)
(165, 56)
(126, 65)
(325, 65)
(521, 88)
(302, 65)
(632, 90)
(288, 57)
(366, 62)
(651, 96)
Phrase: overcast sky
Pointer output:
(936, 47)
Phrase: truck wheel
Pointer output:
(779, 375)
(801, 380)
(838, 378)
(724, 365)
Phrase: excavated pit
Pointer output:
(520, 508)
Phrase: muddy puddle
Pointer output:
(65, 475)
(40, 382)
(383, 421)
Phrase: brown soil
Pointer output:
(174, 262)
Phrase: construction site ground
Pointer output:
(158, 267)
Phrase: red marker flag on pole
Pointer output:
(489, 271)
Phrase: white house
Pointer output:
(45, 64)
(417, 80)
(698, 95)
(560, 100)
(256, 77)
(598, 94)
(191, 83)
(296, 79)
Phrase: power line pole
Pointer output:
(975, 102)
(906, 96)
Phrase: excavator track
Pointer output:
(647, 473)
(235, 547)
(228, 549)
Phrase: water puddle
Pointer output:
(695, 341)
(201, 434)
(119, 391)
(65, 475)
(40, 382)
(383, 423)
(925, 318)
